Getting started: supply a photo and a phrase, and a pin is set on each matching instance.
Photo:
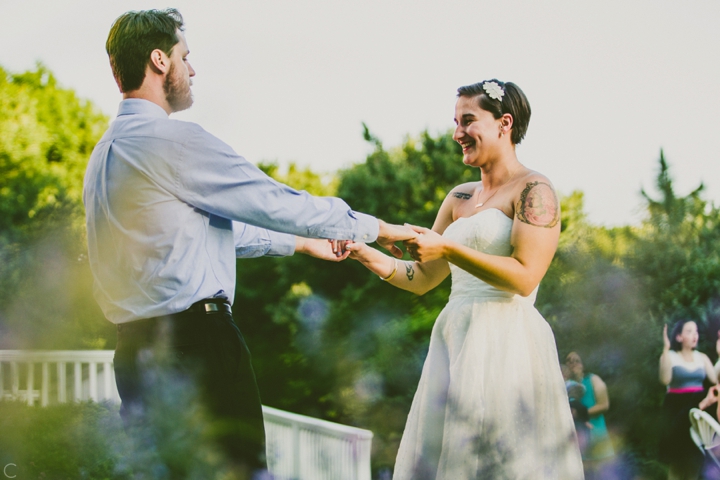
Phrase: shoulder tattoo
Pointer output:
(462, 195)
(538, 205)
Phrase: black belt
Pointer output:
(183, 325)
(210, 305)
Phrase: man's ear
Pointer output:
(159, 62)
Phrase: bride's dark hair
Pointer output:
(513, 102)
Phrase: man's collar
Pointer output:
(135, 106)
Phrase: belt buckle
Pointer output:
(211, 307)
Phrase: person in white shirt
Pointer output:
(169, 207)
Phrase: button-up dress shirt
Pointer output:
(169, 207)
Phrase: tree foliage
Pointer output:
(46, 136)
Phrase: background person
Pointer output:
(683, 369)
(596, 400)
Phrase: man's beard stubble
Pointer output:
(177, 94)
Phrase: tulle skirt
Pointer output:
(491, 402)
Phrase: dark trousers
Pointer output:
(188, 378)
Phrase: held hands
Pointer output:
(359, 251)
(426, 246)
(331, 250)
(389, 234)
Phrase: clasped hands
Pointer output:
(422, 244)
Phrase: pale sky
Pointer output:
(610, 83)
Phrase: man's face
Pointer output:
(177, 81)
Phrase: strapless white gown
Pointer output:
(491, 403)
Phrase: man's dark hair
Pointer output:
(132, 38)
(513, 102)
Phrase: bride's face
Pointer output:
(477, 131)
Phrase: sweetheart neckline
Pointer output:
(485, 210)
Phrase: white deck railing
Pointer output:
(298, 447)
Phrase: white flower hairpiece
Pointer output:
(494, 90)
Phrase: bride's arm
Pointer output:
(416, 277)
(535, 234)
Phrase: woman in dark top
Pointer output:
(683, 369)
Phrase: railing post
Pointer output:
(107, 379)
(45, 387)
(93, 381)
(77, 378)
(62, 393)
(14, 378)
(30, 383)
(296, 450)
(2, 382)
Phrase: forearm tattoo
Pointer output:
(538, 205)
(462, 196)
(409, 271)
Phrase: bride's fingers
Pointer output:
(353, 246)
(417, 229)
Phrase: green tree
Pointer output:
(46, 136)
(685, 278)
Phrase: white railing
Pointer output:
(298, 447)
(76, 374)
(301, 447)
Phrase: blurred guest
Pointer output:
(599, 447)
(683, 369)
(576, 391)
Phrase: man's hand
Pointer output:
(389, 234)
(320, 248)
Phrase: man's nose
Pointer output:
(191, 70)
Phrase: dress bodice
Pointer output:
(487, 231)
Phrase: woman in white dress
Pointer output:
(491, 402)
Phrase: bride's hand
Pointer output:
(427, 246)
(357, 250)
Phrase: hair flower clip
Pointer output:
(494, 91)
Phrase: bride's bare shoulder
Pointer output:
(536, 200)
(464, 191)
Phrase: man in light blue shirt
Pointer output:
(168, 209)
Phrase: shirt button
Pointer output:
(365, 237)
